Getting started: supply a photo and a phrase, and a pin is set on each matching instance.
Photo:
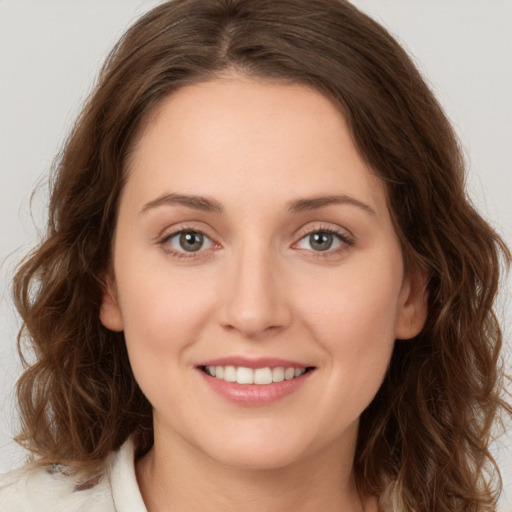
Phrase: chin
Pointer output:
(258, 460)
(258, 451)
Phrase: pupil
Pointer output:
(321, 241)
(191, 241)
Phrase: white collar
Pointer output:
(125, 489)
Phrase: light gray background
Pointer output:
(50, 51)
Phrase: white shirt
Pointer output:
(39, 489)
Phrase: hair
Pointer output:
(424, 439)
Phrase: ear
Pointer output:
(110, 312)
(413, 305)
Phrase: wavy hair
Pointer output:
(424, 439)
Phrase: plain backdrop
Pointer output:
(51, 50)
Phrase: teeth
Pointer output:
(278, 374)
(289, 373)
(230, 374)
(263, 376)
(244, 375)
(260, 376)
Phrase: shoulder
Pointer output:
(33, 488)
(54, 488)
(51, 489)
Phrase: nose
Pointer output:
(254, 300)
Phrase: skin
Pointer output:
(257, 288)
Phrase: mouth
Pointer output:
(256, 376)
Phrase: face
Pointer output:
(254, 244)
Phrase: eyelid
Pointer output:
(169, 233)
(346, 238)
(343, 233)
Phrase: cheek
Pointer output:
(162, 323)
(354, 302)
(163, 314)
(353, 316)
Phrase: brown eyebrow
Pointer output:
(306, 204)
(210, 205)
(204, 204)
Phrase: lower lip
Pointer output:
(253, 395)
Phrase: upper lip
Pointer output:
(260, 362)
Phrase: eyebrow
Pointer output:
(201, 203)
(313, 203)
(210, 205)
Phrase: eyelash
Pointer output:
(164, 243)
(346, 240)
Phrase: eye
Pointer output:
(323, 240)
(187, 241)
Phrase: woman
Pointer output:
(262, 286)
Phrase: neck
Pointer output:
(176, 476)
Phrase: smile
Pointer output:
(254, 382)
(259, 376)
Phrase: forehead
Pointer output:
(238, 136)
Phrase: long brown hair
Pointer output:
(424, 439)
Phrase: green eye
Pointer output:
(321, 241)
(189, 241)
(324, 240)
